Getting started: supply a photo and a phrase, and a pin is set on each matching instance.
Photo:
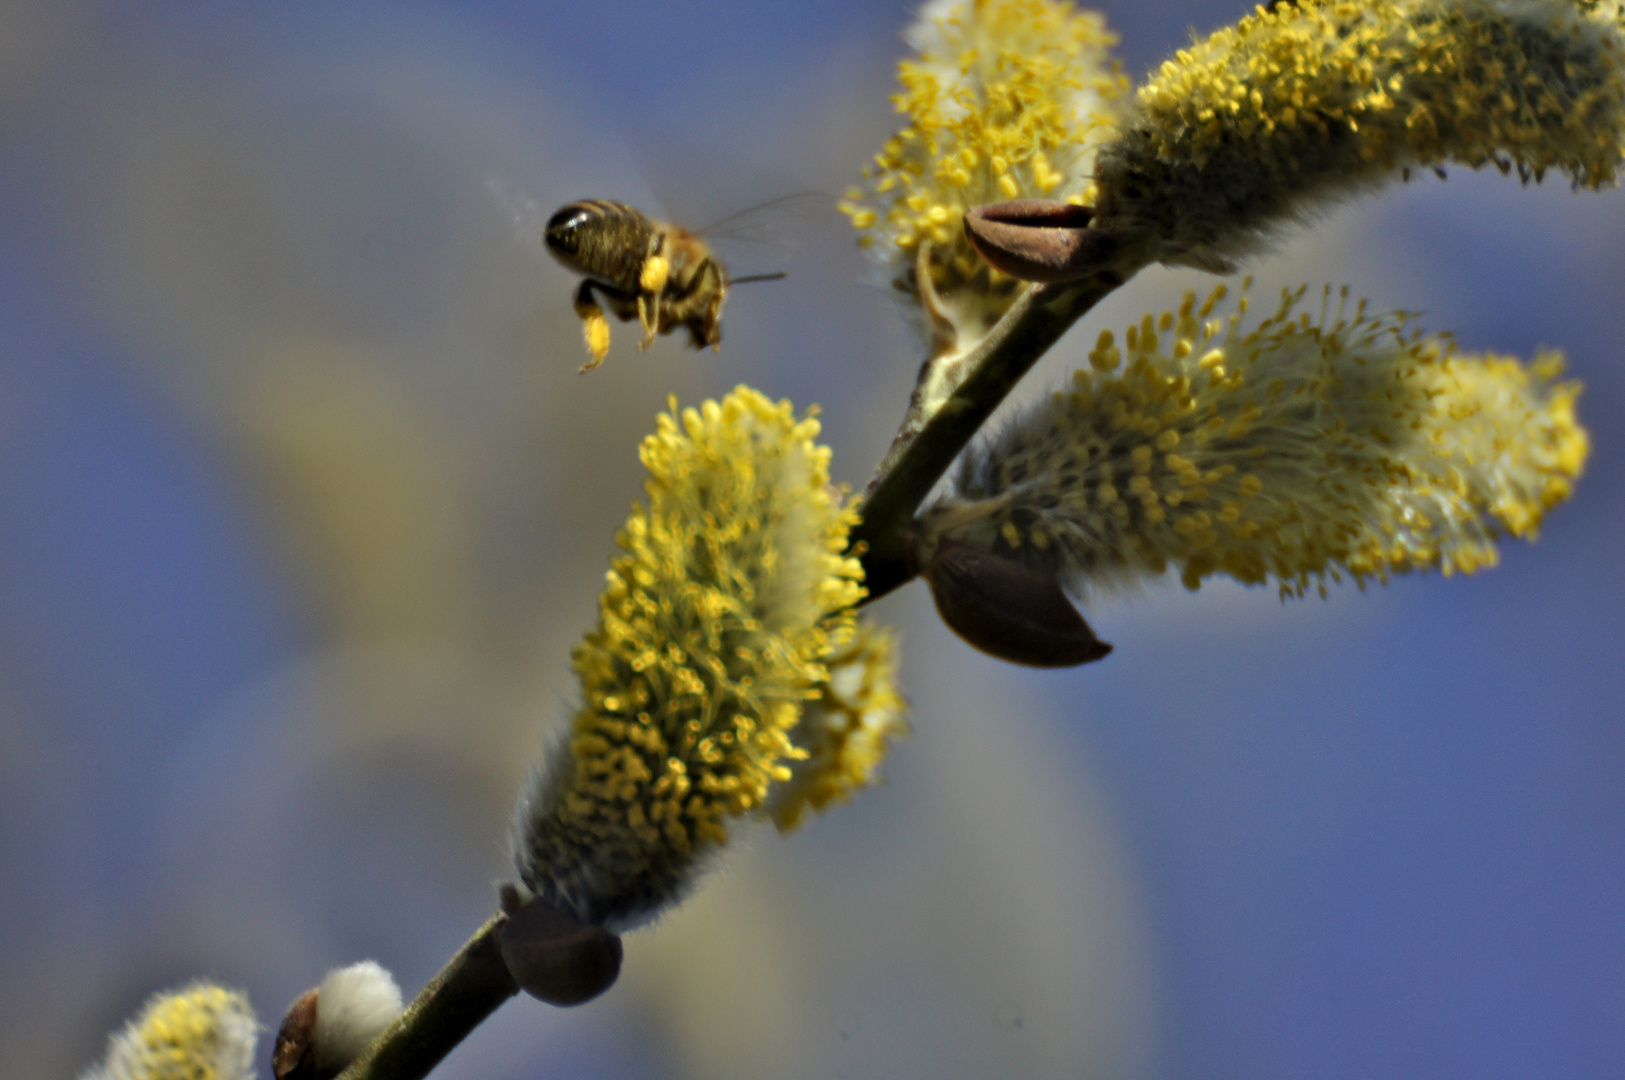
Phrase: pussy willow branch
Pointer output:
(456, 1001)
(927, 444)
(476, 981)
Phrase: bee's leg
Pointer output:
(594, 327)
(619, 304)
(651, 286)
(703, 332)
(712, 321)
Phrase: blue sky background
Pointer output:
(302, 504)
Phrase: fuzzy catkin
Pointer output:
(1264, 123)
(1295, 451)
(717, 620)
(200, 1032)
(1004, 99)
(354, 1005)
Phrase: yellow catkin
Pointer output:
(729, 597)
(1290, 451)
(1256, 125)
(1005, 99)
(200, 1032)
(846, 730)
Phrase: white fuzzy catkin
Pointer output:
(354, 1005)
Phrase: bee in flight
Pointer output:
(664, 276)
(657, 273)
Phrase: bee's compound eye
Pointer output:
(564, 229)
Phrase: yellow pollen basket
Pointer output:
(595, 329)
(654, 274)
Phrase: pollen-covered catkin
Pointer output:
(200, 1032)
(717, 622)
(1006, 99)
(1293, 451)
(1263, 123)
(846, 730)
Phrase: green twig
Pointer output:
(927, 444)
(464, 993)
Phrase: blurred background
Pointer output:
(303, 503)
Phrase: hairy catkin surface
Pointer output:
(1265, 123)
(1294, 451)
(717, 619)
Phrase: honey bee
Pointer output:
(662, 275)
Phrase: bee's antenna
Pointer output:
(757, 277)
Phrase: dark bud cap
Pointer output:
(294, 1057)
(556, 957)
(1008, 609)
(1039, 239)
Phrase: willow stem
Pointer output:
(456, 1001)
(927, 444)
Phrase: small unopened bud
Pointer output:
(1008, 609)
(553, 955)
(1039, 239)
(329, 1026)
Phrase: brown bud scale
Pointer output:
(556, 957)
(1039, 239)
(1008, 609)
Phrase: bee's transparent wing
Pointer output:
(525, 215)
(762, 238)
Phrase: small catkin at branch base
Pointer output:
(332, 1024)
(471, 987)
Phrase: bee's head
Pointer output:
(565, 230)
